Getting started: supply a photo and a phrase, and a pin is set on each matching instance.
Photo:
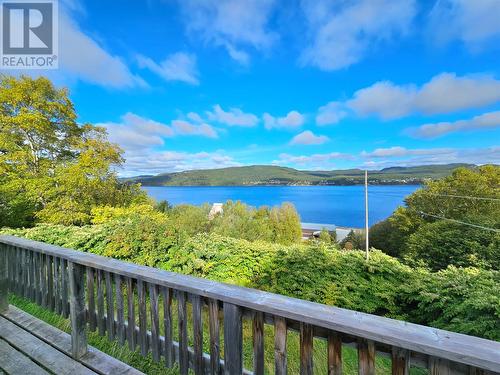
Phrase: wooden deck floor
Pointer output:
(31, 346)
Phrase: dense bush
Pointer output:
(279, 224)
(418, 233)
(221, 258)
(340, 278)
(353, 240)
(436, 245)
(458, 299)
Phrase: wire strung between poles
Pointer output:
(460, 222)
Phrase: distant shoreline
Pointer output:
(268, 175)
(285, 185)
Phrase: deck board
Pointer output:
(94, 359)
(15, 362)
(40, 351)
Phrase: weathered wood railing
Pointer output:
(123, 301)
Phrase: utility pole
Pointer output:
(367, 244)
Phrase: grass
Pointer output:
(148, 366)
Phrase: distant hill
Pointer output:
(274, 175)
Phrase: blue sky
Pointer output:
(311, 84)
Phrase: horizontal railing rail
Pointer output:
(134, 304)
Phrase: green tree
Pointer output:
(285, 222)
(353, 240)
(438, 244)
(52, 169)
(406, 233)
(239, 220)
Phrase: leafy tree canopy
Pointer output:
(420, 234)
(52, 169)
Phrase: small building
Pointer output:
(313, 229)
(215, 210)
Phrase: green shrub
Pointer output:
(241, 221)
(457, 299)
(340, 278)
(221, 258)
(436, 245)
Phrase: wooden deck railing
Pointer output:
(127, 302)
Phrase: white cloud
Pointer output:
(314, 160)
(179, 66)
(136, 132)
(231, 24)
(83, 58)
(398, 151)
(343, 31)
(293, 119)
(489, 120)
(331, 113)
(193, 116)
(233, 117)
(447, 93)
(174, 161)
(444, 93)
(384, 99)
(473, 22)
(187, 128)
(398, 156)
(142, 140)
(308, 138)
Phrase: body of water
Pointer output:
(339, 205)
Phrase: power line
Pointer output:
(466, 197)
(460, 222)
(393, 194)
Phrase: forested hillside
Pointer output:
(274, 175)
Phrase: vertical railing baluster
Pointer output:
(258, 343)
(50, 283)
(131, 314)
(439, 366)
(64, 287)
(91, 299)
(110, 307)
(233, 339)
(400, 361)
(143, 318)
(183, 335)
(19, 273)
(38, 277)
(280, 338)
(214, 327)
(8, 255)
(77, 309)
(22, 265)
(119, 310)
(306, 349)
(334, 353)
(26, 266)
(4, 278)
(57, 286)
(197, 335)
(366, 357)
(32, 295)
(167, 326)
(27, 271)
(43, 265)
(101, 321)
(155, 322)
